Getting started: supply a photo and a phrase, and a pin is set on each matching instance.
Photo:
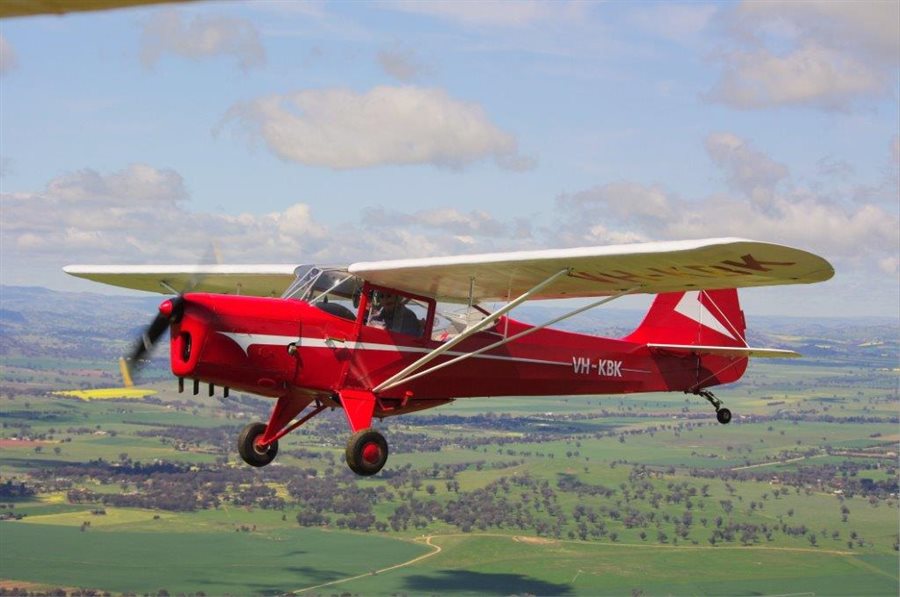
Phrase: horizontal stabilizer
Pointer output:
(731, 351)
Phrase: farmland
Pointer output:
(570, 495)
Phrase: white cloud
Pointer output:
(492, 13)
(476, 223)
(297, 221)
(870, 28)
(137, 215)
(342, 129)
(801, 220)
(746, 169)
(621, 200)
(828, 166)
(140, 215)
(812, 75)
(403, 65)
(866, 233)
(137, 182)
(830, 55)
(8, 58)
(203, 37)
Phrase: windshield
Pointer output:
(322, 285)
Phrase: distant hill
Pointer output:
(7, 316)
(36, 321)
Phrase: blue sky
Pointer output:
(334, 132)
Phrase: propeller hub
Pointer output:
(167, 308)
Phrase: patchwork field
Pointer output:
(595, 495)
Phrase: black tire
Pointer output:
(367, 452)
(251, 454)
(724, 416)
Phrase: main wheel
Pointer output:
(253, 454)
(723, 415)
(367, 451)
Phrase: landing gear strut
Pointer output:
(252, 453)
(723, 415)
(367, 451)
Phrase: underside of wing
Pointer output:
(21, 8)
(647, 268)
(248, 280)
(728, 351)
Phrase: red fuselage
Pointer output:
(281, 347)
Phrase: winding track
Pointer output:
(426, 539)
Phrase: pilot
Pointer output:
(392, 315)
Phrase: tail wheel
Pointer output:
(367, 452)
(252, 453)
(723, 415)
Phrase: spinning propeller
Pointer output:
(170, 311)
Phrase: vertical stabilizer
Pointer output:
(703, 318)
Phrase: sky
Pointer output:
(333, 132)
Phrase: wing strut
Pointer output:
(499, 343)
(469, 331)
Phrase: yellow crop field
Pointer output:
(110, 517)
(106, 393)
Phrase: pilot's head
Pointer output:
(389, 300)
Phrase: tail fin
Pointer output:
(698, 318)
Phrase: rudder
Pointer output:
(704, 318)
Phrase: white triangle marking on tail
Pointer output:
(691, 307)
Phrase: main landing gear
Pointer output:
(251, 451)
(367, 450)
(723, 415)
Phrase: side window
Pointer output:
(450, 320)
(396, 313)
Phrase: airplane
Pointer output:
(386, 338)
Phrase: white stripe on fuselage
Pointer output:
(245, 341)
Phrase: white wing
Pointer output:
(251, 280)
(601, 271)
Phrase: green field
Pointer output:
(504, 565)
(120, 559)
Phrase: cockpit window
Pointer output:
(396, 313)
(332, 290)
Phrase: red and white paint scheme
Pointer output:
(317, 344)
